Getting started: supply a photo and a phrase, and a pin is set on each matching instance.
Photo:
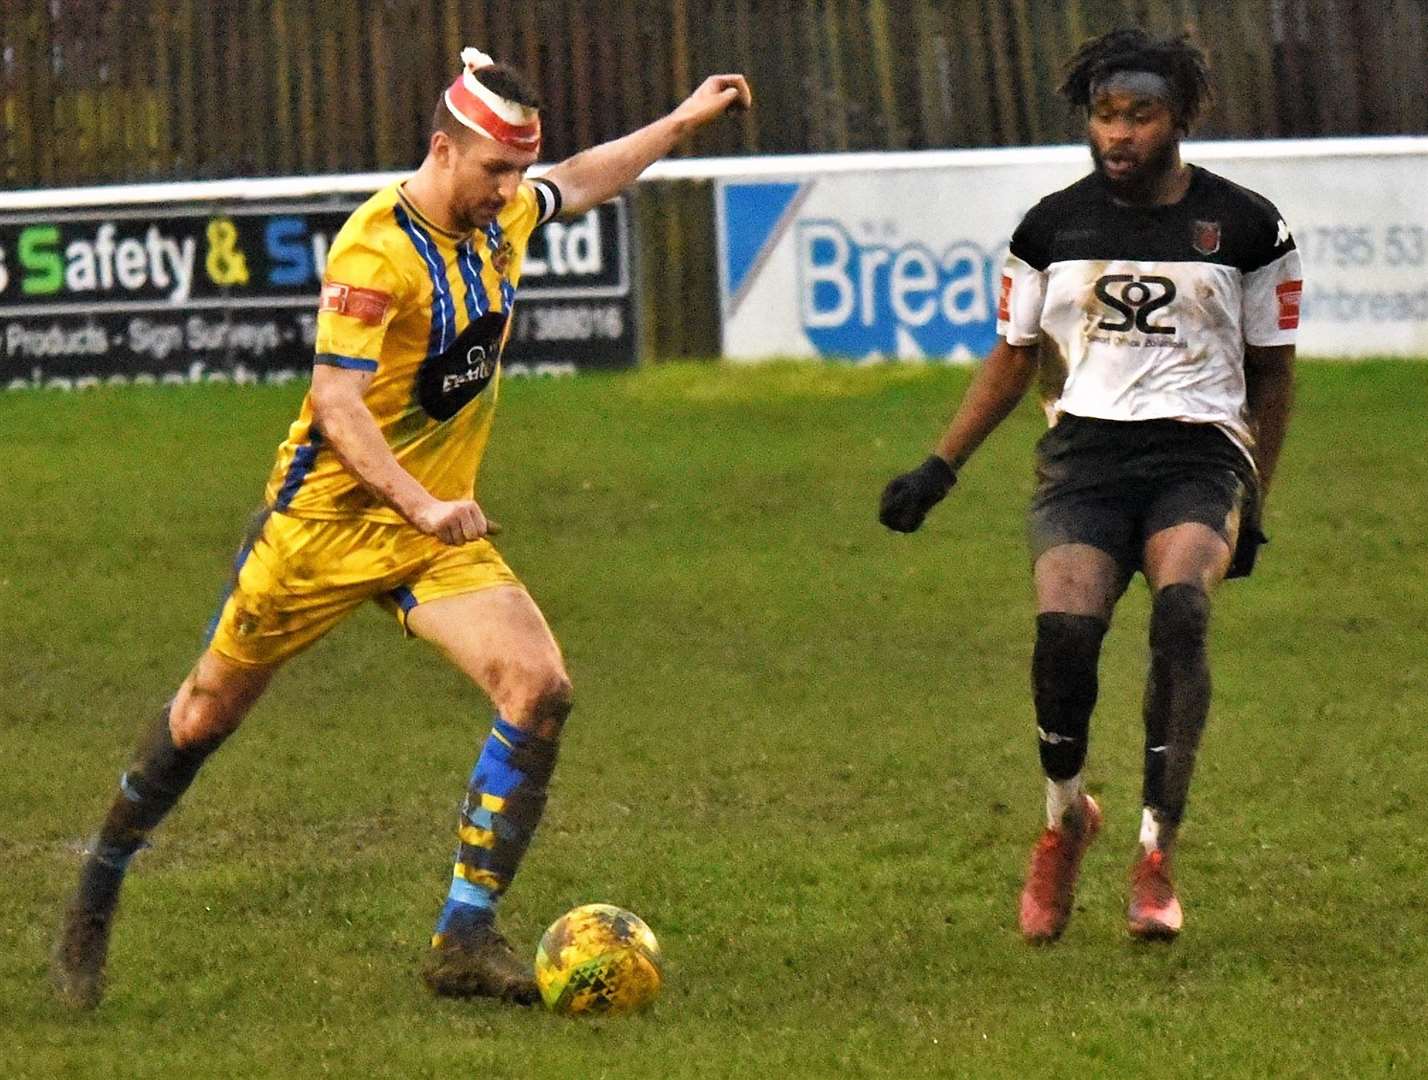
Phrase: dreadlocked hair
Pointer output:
(1177, 58)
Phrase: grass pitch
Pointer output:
(802, 751)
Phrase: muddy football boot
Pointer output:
(1051, 878)
(479, 964)
(1155, 913)
(77, 964)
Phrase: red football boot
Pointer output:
(1051, 878)
(1155, 913)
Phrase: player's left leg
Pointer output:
(1183, 563)
(500, 640)
(208, 707)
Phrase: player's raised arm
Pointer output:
(602, 172)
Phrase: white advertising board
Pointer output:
(899, 256)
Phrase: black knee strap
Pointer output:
(1064, 687)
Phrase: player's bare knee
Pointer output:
(198, 719)
(552, 705)
(1179, 623)
(211, 704)
(540, 704)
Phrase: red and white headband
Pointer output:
(487, 112)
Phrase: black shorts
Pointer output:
(1114, 483)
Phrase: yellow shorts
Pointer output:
(297, 578)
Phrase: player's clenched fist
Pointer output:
(716, 95)
(908, 497)
(455, 523)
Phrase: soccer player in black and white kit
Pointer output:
(1167, 299)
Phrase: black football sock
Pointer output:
(148, 790)
(1177, 701)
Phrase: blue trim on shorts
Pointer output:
(303, 460)
(443, 311)
(349, 363)
(254, 531)
(404, 597)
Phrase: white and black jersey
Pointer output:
(1150, 308)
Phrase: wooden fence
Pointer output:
(96, 91)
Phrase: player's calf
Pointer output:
(1177, 703)
(1064, 686)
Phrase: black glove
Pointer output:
(1247, 546)
(1251, 537)
(908, 497)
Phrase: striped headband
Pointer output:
(487, 112)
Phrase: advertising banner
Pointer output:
(215, 292)
(903, 262)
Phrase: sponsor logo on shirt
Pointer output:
(450, 380)
(367, 306)
(1135, 298)
(479, 369)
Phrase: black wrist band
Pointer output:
(937, 466)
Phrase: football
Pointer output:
(598, 958)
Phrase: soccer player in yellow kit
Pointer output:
(372, 498)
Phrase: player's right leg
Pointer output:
(1077, 587)
(208, 708)
(499, 639)
(1081, 527)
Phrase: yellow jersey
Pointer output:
(428, 312)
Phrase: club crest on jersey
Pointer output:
(501, 257)
(1205, 236)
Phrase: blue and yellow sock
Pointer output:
(503, 805)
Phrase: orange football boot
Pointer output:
(1051, 878)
